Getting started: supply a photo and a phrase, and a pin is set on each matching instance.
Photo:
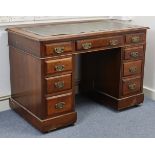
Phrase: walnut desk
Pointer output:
(42, 63)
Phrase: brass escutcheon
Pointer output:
(135, 39)
(59, 84)
(86, 45)
(59, 68)
(133, 69)
(59, 50)
(134, 54)
(132, 86)
(59, 105)
(113, 42)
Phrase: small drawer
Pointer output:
(58, 65)
(136, 52)
(131, 85)
(99, 43)
(58, 48)
(59, 83)
(131, 68)
(61, 104)
(135, 38)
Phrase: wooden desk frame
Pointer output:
(43, 72)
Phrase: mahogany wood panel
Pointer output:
(132, 68)
(108, 72)
(120, 104)
(59, 104)
(87, 67)
(59, 83)
(101, 71)
(131, 101)
(26, 87)
(134, 52)
(24, 44)
(58, 65)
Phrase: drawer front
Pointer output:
(59, 104)
(136, 52)
(99, 43)
(135, 38)
(58, 65)
(131, 86)
(131, 68)
(58, 48)
(59, 83)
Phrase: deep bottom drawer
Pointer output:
(131, 86)
(58, 105)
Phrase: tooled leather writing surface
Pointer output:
(77, 28)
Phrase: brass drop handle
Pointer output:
(135, 39)
(60, 105)
(59, 84)
(133, 69)
(87, 46)
(113, 42)
(132, 86)
(59, 50)
(59, 68)
(134, 54)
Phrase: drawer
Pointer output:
(58, 48)
(59, 83)
(136, 52)
(58, 65)
(58, 105)
(135, 38)
(131, 85)
(131, 68)
(99, 43)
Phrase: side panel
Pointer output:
(26, 86)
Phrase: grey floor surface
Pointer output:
(94, 121)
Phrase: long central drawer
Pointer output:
(100, 42)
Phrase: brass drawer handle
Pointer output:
(134, 54)
(135, 39)
(60, 105)
(132, 86)
(59, 50)
(59, 84)
(133, 69)
(87, 46)
(113, 42)
(59, 68)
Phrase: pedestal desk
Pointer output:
(42, 65)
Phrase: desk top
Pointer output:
(52, 30)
